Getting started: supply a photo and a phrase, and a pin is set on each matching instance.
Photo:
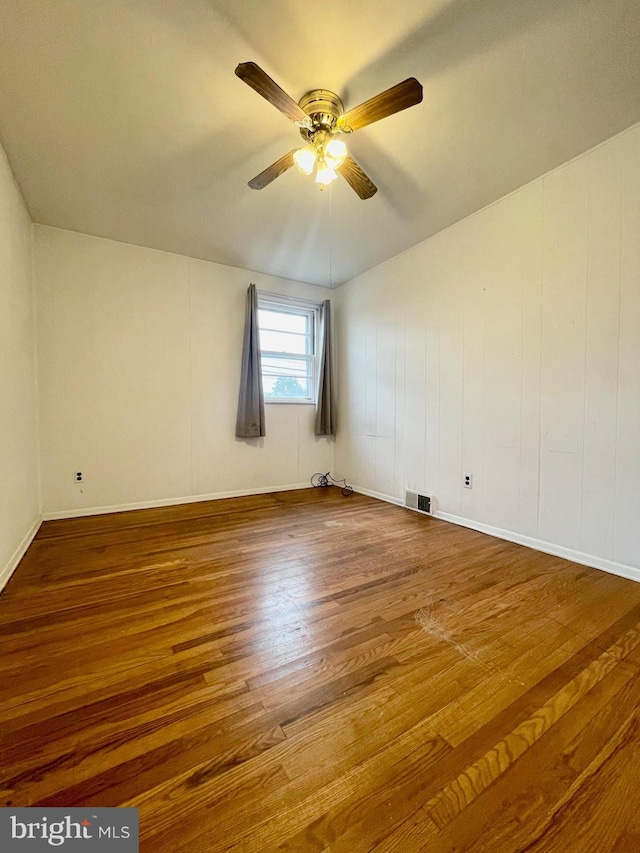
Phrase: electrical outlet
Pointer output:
(78, 477)
(467, 481)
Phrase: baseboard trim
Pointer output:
(18, 554)
(378, 495)
(187, 499)
(610, 566)
(621, 569)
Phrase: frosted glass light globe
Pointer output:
(305, 159)
(335, 152)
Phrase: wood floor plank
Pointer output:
(302, 671)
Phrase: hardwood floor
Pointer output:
(307, 672)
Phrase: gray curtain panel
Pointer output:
(250, 422)
(325, 406)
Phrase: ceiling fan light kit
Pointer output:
(320, 116)
(323, 153)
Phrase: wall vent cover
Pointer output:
(418, 501)
(424, 503)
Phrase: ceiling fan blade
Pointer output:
(356, 178)
(260, 82)
(393, 100)
(272, 172)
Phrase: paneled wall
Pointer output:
(139, 364)
(508, 347)
(19, 491)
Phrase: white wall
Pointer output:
(139, 362)
(19, 499)
(508, 346)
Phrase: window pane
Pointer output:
(287, 345)
(284, 341)
(273, 365)
(283, 320)
(286, 386)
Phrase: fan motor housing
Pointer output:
(324, 108)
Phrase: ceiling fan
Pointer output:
(321, 117)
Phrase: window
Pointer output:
(288, 349)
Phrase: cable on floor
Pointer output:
(320, 481)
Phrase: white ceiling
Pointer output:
(124, 119)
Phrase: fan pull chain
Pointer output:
(330, 236)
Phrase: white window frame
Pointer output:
(287, 304)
